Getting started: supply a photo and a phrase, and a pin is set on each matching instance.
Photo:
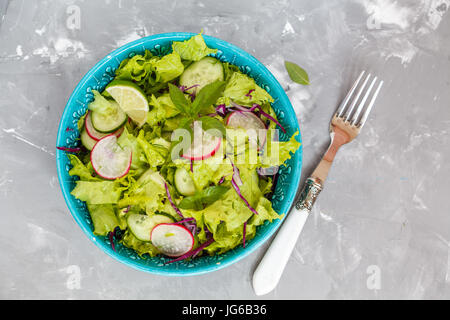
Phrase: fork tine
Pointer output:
(358, 95)
(363, 102)
(369, 108)
(344, 103)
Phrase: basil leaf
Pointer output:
(191, 203)
(217, 128)
(207, 96)
(203, 198)
(297, 73)
(178, 99)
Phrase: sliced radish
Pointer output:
(202, 147)
(109, 160)
(248, 121)
(173, 240)
(94, 134)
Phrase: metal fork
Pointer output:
(345, 126)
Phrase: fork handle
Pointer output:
(338, 139)
(271, 267)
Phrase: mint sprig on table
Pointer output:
(297, 73)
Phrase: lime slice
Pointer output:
(131, 99)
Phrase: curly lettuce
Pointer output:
(193, 49)
(243, 90)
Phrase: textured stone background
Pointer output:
(381, 228)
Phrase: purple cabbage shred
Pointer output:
(73, 150)
(173, 203)
(111, 235)
(249, 94)
(268, 116)
(236, 174)
(221, 110)
(238, 191)
(193, 94)
(245, 231)
(257, 107)
(189, 223)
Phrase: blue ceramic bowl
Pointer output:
(97, 79)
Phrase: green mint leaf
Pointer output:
(208, 96)
(203, 198)
(297, 73)
(217, 128)
(178, 99)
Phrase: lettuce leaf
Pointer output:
(101, 192)
(138, 69)
(208, 171)
(104, 218)
(101, 105)
(193, 49)
(243, 90)
(84, 172)
(150, 72)
(168, 67)
(229, 235)
(276, 153)
(138, 160)
(155, 154)
(162, 109)
(147, 193)
(141, 247)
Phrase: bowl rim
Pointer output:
(173, 36)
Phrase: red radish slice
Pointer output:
(173, 240)
(248, 121)
(109, 160)
(203, 148)
(94, 134)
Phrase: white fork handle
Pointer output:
(271, 267)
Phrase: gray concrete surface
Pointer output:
(381, 228)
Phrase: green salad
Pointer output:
(179, 154)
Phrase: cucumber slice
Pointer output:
(94, 134)
(201, 73)
(108, 123)
(173, 240)
(183, 182)
(86, 140)
(141, 225)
